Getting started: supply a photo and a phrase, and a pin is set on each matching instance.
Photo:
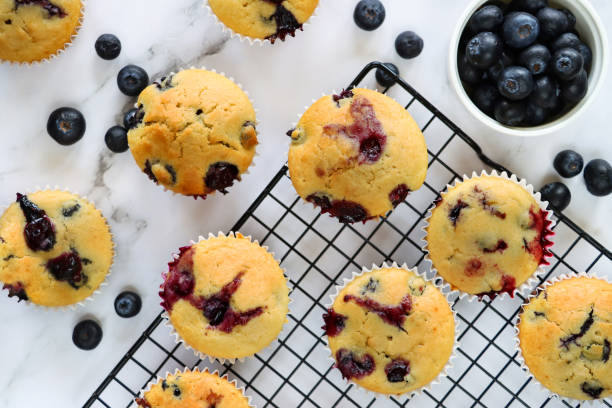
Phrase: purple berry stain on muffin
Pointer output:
(486, 204)
(16, 290)
(508, 285)
(67, 267)
(393, 315)
(179, 281)
(352, 366)
(334, 323)
(345, 94)
(573, 338)
(398, 194)
(49, 7)
(286, 23)
(539, 245)
(500, 247)
(455, 212)
(220, 176)
(347, 212)
(473, 267)
(164, 83)
(397, 370)
(142, 402)
(39, 231)
(148, 170)
(592, 388)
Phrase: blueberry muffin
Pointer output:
(195, 132)
(390, 331)
(264, 19)
(565, 334)
(487, 235)
(32, 30)
(226, 296)
(193, 389)
(55, 248)
(356, 155)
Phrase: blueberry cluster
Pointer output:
(523, 63)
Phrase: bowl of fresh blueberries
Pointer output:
(528, 67)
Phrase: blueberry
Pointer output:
(131, 118)
(87, 334)
(510, 113)
(66, 126)
(108, 46)
(485, 97)
(535, 58)
(383, 78)
(520, 29)
(566, 40)
(535, 115)
(484, 49)
(515, 83)
(127, 304)
(546, 92)
(408, 44)
(467, 72)
(132, 80)
(553, 23)
(116, 139)
(487, 18)
(567, 63)
(571, 19)
(531, 6)
(587, 55)
(495, 70)
(369, 14)
(575, 90)
(598, 177)
(568, 163)
(557, 194)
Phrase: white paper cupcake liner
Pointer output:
(531, 282)
(203, 356)
(449, 364)
(256, 155)
(104, 283)
(519, 356)
(57, 53)
(196, 370)
(252, 41)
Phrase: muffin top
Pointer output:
(487, 235)
(55, 248)
(195, 133)
(34, 30)
(264, 19)
(226, 297)
(193, 389)
(390, 331)
(565, 334)
(357, 155)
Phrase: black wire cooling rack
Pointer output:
(317, 253)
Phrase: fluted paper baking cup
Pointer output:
(177, 337)
(177, 372)
(525, 287)
(97, 290)
(256, 154)
(449, 364)
(519, 356)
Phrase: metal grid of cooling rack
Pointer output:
(317, 253)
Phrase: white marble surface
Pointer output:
(39, 366)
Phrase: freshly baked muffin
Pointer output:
(195, 132)
(32, 30)
(390, 331)
(357, 155)
(226, 296)
(565, 334)
(55, 248)
(264, 19)
(487, 235)
(193, 389)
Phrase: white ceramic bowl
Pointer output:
(592, 32)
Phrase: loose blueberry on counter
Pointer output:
(546, 92)
(485, 97)
(515, 83)
(87, 335)
(132, 79)
(598, 177)
(535, 58)
(535, 115)
(469, 73)
(510, 113)
(116, 139)
(108, 46)
(557, 194)
(128, 304)
(383, 78)
(520, 29)
(488, 18)
(531, 6)
(484, 49)
(369, 14)
(553, 23)
(566, 40)
(409, 45)
(568, 163)
(567, 64)
(66, 126)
